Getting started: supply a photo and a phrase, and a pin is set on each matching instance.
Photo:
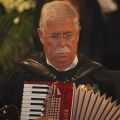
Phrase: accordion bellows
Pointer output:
(62, 101)
(93, 107)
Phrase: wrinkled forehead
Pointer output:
(60, 24)
(60, 18)
(60, 21)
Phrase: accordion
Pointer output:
(63, 101)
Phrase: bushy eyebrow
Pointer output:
(57, 33)
(69, 32)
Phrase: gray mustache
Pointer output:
(62, 50)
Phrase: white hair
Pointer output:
(55, 10)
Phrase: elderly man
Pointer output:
(59, 33)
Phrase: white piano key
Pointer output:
(38, 85)
(30, 93)
(32, 106)
(32, 101)
(34, 96)
(32, 109)
(28, 113)
(28, 117)
(35, 89)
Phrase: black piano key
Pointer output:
(36, 104)
(34, 110)
(38, 92)
(40, 87)
(36, 115)
(37, 98)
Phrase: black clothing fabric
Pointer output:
(11, 86)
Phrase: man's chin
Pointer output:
(62, 59)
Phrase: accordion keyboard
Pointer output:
(33, 101)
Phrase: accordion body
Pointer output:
(63, 101)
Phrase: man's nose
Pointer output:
(62, 41)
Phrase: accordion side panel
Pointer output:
(58, 106)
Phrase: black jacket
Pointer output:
(86, 72)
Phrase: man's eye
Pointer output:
(54, 36)
(68, 35)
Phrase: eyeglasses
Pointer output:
(56, 36)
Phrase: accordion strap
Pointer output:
(41, 69)
(38, 68)
(87, 69)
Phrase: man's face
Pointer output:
(60, 41)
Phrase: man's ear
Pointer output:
(40, 33)
(79, 29)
